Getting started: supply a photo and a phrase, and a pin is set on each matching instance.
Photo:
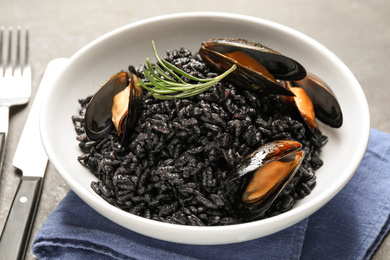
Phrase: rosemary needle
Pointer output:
(166, 82)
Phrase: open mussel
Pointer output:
(302, 106)
(272, 167)
(115, 105)
(326, 106)
(312, 99)
(258, 67)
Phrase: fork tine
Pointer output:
(15, 54)
(1, 50)
(17, 69)
(26, 65)
(8, 66)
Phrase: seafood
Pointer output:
(258, 67)
(272, 166)
(314, 99)
(115, 104)
(302, 106)
(326, 106)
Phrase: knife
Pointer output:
(31, 159)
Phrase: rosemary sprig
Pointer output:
(165, 80)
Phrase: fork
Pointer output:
(15, 77)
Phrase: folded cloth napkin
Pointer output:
(350, 226)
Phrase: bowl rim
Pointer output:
(289, 218)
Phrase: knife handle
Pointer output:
(15, 237)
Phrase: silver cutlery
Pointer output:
(30, 157)
(15, 77)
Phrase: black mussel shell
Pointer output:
(326, 106)
(266, 153)
(242, 76)
(98, 116)
(97, 122)
(135, 106)
(309, 122)
(279, 65)
(257, 206)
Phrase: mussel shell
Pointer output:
(279, 65)
(242, 76)
(266, 153)
(256, 209)
(309, 124)
(97, 122)
(135, 105)
(326, 106)
(98, 115)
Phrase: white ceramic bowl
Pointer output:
(131, 44)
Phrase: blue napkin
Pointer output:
(350, 226)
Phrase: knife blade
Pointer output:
(30, 157)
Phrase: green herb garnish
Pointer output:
(165, 82)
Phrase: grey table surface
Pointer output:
(358, 32)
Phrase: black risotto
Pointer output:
(173, 168)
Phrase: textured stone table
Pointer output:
(358, 32)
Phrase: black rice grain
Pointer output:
(174, 166)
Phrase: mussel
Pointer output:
(326, 106)
(272, 167)
(115, 105)
(258, 67)
(312, 99)
(261, 69)
(302, 106)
